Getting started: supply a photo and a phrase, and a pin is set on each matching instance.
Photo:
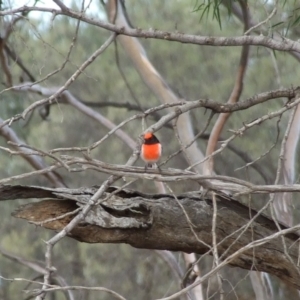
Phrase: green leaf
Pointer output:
(205, 7)
(296, 22)
(277, 24)
(216, 12)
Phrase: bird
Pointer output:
(151, 150)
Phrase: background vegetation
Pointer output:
(194, 72)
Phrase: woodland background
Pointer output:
(193, 72)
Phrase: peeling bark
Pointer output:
(159, 222)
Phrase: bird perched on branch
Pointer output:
(151, 150)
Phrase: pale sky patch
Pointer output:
(92, 9)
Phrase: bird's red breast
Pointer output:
(151, 148)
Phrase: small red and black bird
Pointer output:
(151, 149)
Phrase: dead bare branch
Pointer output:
(35, 161)
(284, 44)
(142, 218)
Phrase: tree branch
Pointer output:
(152, 78)
(284, 44)
(151, 221)
(35, 161)
(232, 6)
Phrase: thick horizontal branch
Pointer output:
(181, 106)
(231, 185)
(167, 223)
(252, 101)
(283, 45)
(211, 182)
(236, 10)
(184, 106)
